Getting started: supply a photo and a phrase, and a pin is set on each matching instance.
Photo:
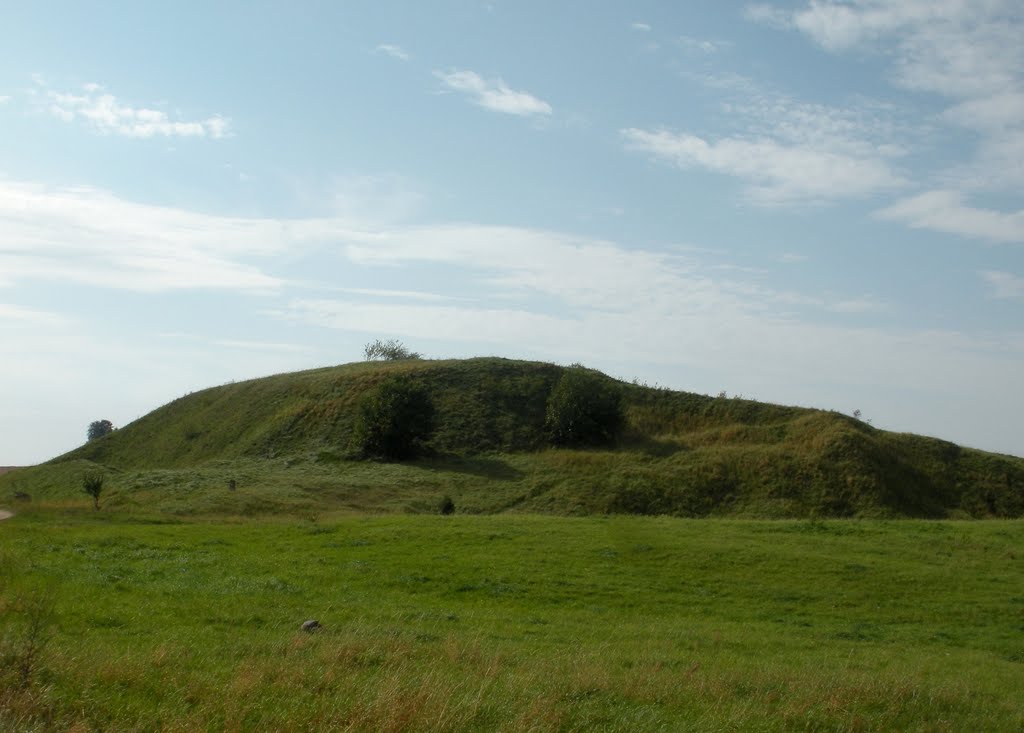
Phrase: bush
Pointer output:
(446, 506)
(394, 420)
(99, 428)
(92, 484)
(390, 350)
(584, 409)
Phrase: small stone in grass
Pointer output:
(311, 625)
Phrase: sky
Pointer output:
(810, 203)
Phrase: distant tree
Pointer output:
(99, 428)
(394, 420)
(584, 409)
(856, 414)
(92, 484)
(390, 350)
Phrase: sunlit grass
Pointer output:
(517, 623)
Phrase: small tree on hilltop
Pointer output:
(390, 350)
(394, 420)
(92, 484)
(99, 428)
(584, 409)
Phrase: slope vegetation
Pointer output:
(282, 444)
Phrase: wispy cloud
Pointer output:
(106, 114)
(968, 52)
(787, 151)
(945, 211)
(1004, 284)
(5, 98)
(951, 47)
(640, 26)
(494, 94)
(777, 173)
(89, 236)
(393, 51)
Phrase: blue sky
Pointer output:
(804, 203)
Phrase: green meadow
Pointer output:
(120, 622)
(615, 557)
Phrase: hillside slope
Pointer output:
(283, 442)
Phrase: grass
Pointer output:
(286, 442)
(513, 622)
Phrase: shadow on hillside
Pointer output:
(480, 466)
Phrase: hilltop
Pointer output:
(283, 444)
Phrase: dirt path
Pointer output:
(4, 514)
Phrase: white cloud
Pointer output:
(90, 236)
(5, 98)
(776, 172)
(494, 94)
(642, 27)
(393, 51)
(1004, 284)
(787, 151)
(105, 114)
(968, 51)
(945, 211)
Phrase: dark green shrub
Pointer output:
(584, 409)
(446, 506)
(99, 428)
(394, 420)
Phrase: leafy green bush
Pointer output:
(584, 409)
(394, 420)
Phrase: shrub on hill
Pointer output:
(99, 428)
(394, 420)
(584, 409)
(390, 350)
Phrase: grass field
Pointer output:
(114, 622)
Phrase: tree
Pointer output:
(394, 420)
(99, 428)
(92, 484)
(390, 350)
(584, 409)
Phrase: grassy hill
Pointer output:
(282, 444)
